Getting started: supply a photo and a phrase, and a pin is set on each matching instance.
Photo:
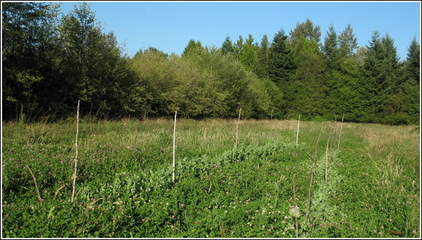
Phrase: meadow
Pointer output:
(232, 179)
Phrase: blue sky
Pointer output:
(168, 26)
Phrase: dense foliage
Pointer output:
(52, 61)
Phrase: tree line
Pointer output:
(51, 60)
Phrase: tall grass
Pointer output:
(35, 182)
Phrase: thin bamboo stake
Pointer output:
(272, 110)
(237, 129)
(297, 227)
(35, 183)
(174, 148)
(341, 127)
(294, 189)
(74, 176)
(297, 134)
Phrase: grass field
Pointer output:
(348, 180)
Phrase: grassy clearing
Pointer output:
(366, 186)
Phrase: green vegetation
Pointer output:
(349, 180)
(247, 178)
(51, 61)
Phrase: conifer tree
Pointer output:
(192, 48)
(381, 79)
(330, 48)
(280, 61)
(347, 42)
(248, 53)
(227, 46)
(410, 88)
(263, 58)
(308, 83)
(238, 46)
(413, 63)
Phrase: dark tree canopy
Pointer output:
(280, 62)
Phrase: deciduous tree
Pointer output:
(305, 30)
(27, 54)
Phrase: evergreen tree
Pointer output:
(413, 63)
(193, 48)
(380, 76)
(281, 67)
(344, 91)
(237, 47)
(280, 61)
(330, 48)
(263, 58)
(347, 42)
(248, 53)
(360, 55)
(410, 88)
(342, 74)
(227, 46)
(308, 83)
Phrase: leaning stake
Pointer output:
(76, 153)
(174, 148)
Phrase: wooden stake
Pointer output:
(74, 176)
(341, 127)
(237, 129)
(297, 134)
(272, 110)
(174, 148)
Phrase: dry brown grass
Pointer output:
(393, 151)
(382, 139)
(278, 124)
